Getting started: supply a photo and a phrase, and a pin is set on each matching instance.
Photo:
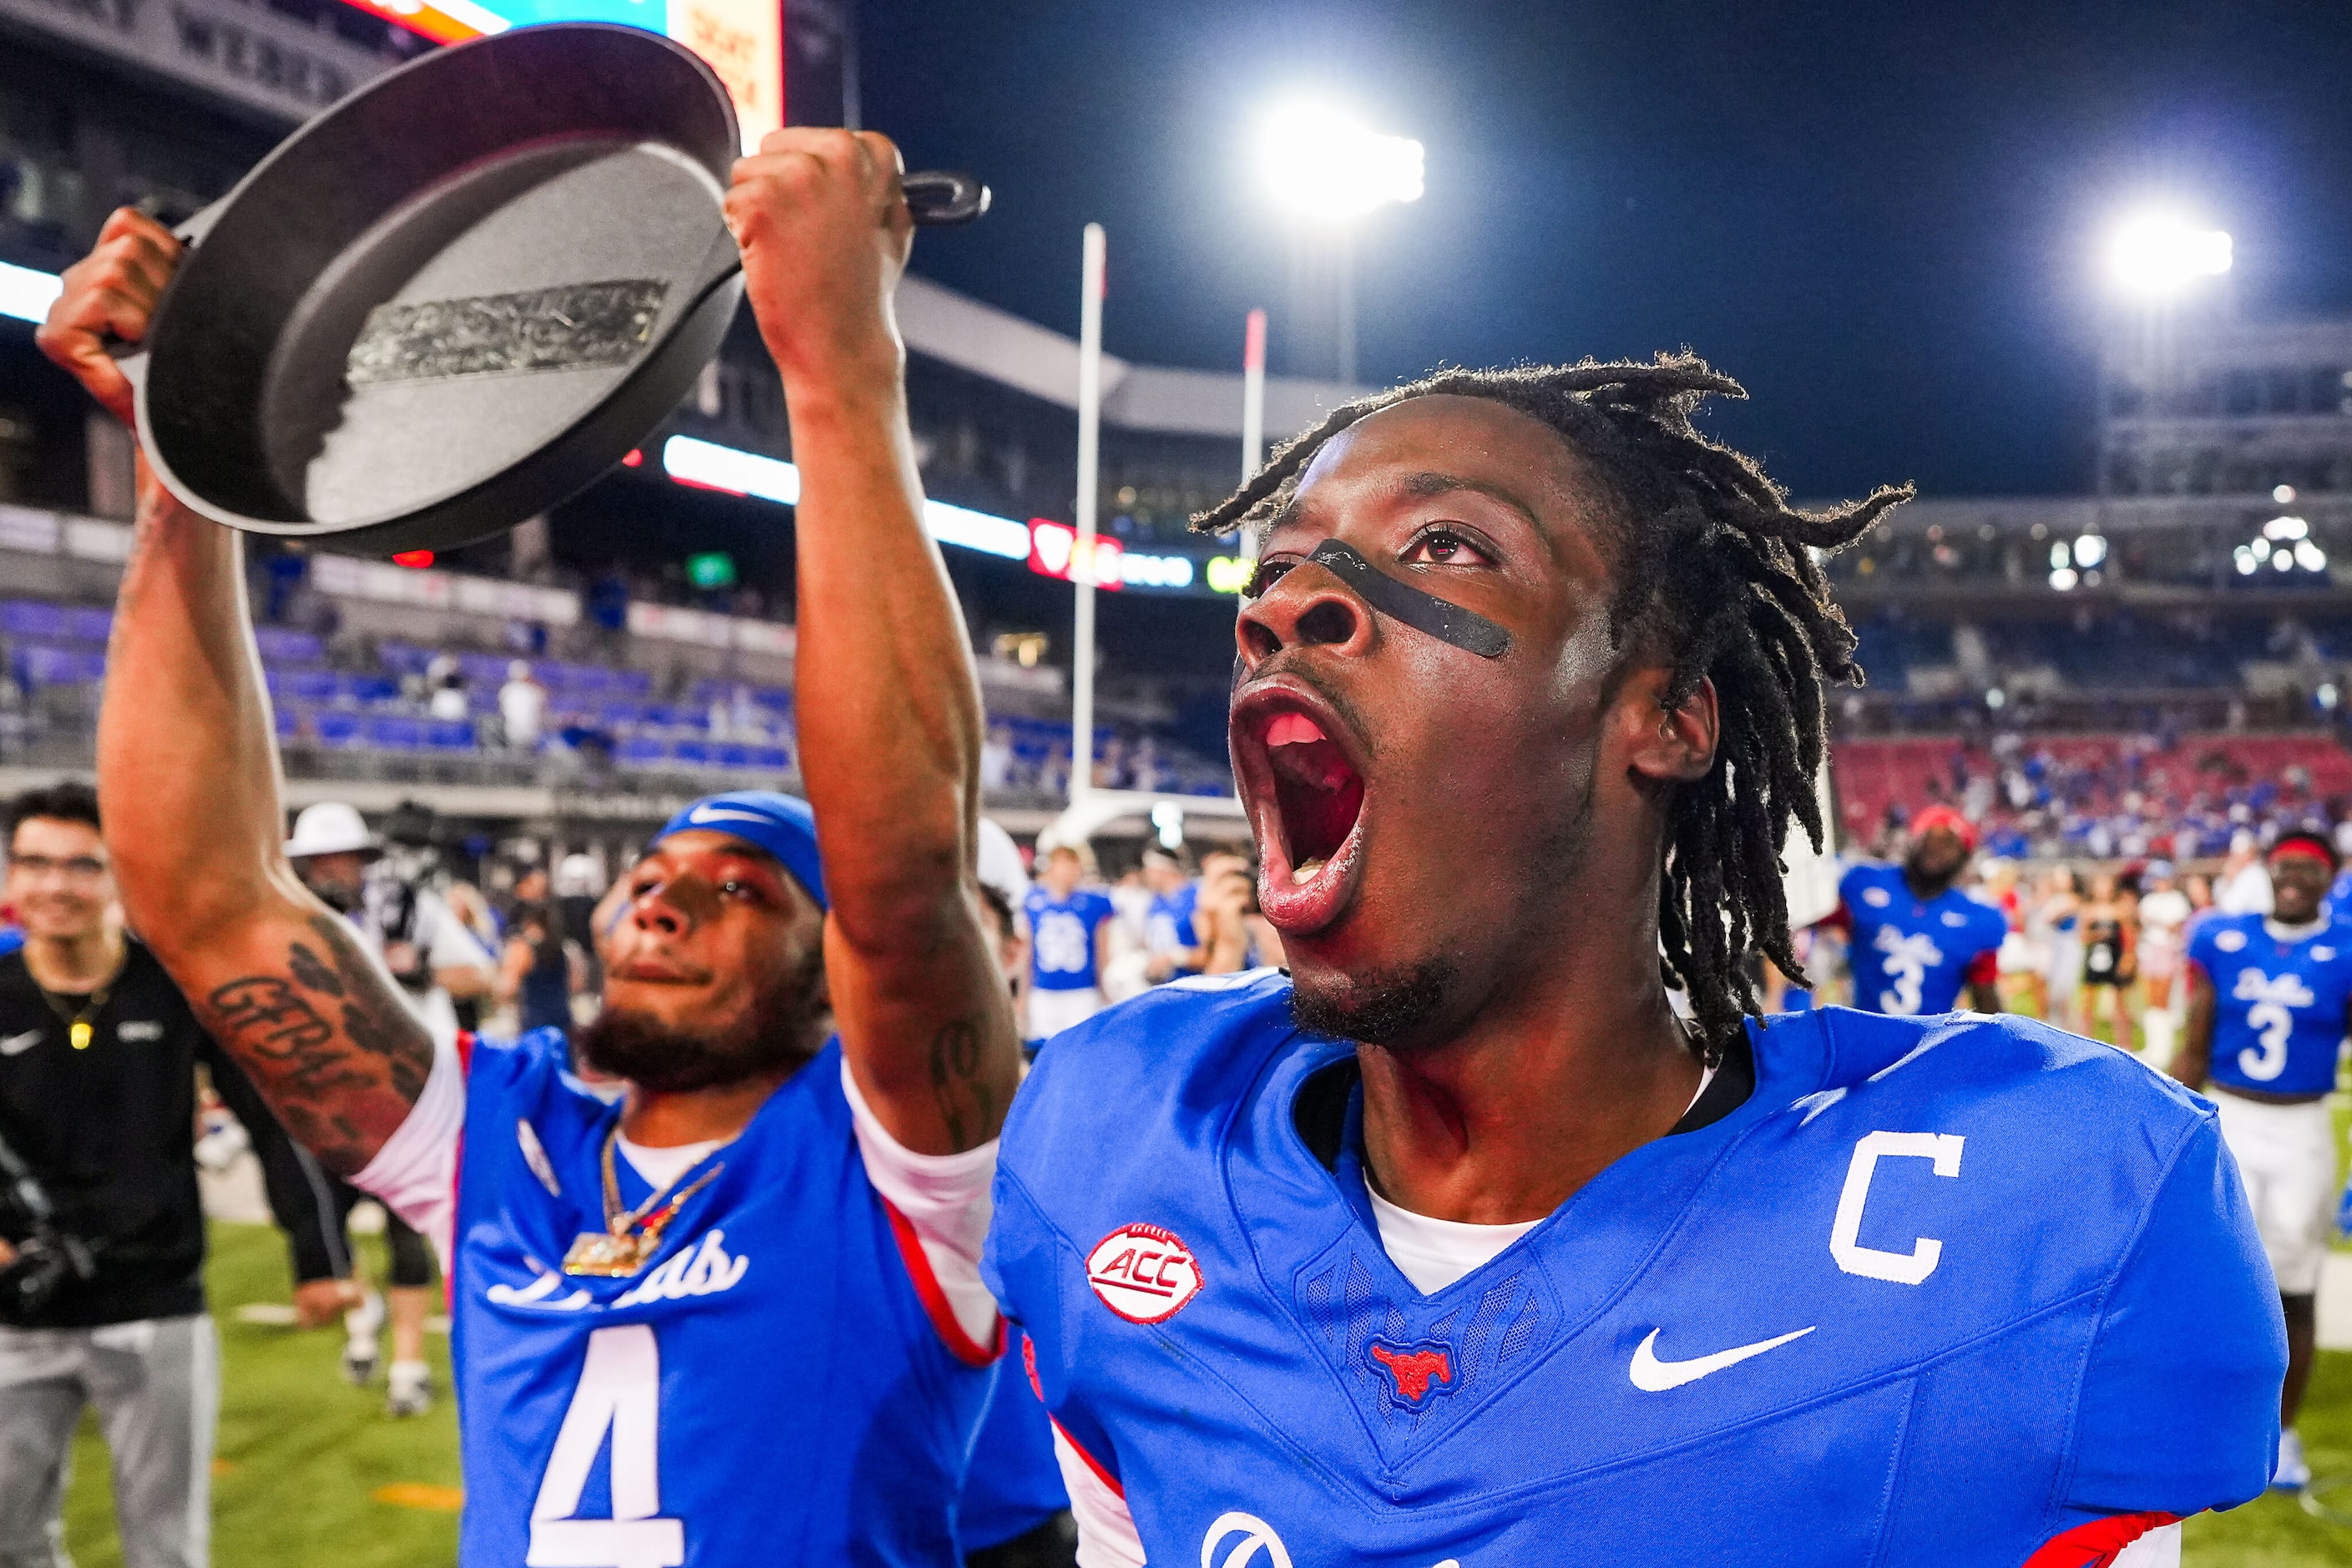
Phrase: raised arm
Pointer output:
(888, 704)
(187, 777)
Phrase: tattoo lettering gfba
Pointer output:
(338, 1056)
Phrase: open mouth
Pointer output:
(1306, 803)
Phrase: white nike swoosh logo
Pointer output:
(720, 813)
(18, 1044)
(1652, 1375)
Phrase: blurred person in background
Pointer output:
(1170, 937)
(2268, 1000)
(2163, 911)
(523, 707)
(2243, 886)
(2110, 932)
(1069, 944)
(1916, 940)
(578, 882)
(540, 971)
(98, 1097)
(2059, 914)
(435, 956)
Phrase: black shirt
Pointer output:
(110, 1130)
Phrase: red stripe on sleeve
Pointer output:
(2094, 1545)
(935, 1301)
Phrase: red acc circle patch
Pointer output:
(1143, 1273)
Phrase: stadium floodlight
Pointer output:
(2089, 551)
(2283, 528)
(2157, 255)
(1323, 165)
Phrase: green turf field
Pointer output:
(303, 1455)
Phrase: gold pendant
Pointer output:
(80, 1034)
(608, 1256)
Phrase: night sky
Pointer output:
(1884, 219)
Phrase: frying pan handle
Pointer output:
(132, 356)
(938, 197)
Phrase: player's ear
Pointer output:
(1668, 744)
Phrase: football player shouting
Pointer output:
(1454, 1246)
(736, 1319)
(2267, 1010)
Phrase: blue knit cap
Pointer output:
(779, 823)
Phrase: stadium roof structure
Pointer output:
(944, 325)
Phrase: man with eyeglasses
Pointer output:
(98, 1055)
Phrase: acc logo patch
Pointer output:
(1143, 1273)
(1877, 898)
(2229, 940)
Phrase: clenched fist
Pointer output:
(825, 233)
(112, 290)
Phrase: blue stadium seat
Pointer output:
(337, 729)
(395, 732)
(449, 736)
(641, 750)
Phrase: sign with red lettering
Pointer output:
(1143, 1273)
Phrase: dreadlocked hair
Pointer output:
(1715, 572)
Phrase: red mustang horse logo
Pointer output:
(1416, 1368)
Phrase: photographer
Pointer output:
(101, 1233)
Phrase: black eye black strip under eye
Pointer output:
(1420, 610)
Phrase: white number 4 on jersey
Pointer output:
(620, 1391)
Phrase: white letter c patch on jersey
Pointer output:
(1143, 1273)
(1943, 1150)
(1257, 1536)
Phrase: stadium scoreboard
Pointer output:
(743, 40)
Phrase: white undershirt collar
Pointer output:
(1434, 1253)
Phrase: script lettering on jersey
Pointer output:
(1907, 962)
(702, 1270)
(1942, 1151)
(2271, 1017)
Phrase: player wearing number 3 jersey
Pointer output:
(1454, 1246)
(735, 1319)
(2268, 1002)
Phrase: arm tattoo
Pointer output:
(965, 1101)
(338, 1056)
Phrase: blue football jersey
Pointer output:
(1062, 937)
(774, 1387)
(1939, 1292)
(1168, 925)
(1910, 956)
(2278, 1006)
(1015, 1482)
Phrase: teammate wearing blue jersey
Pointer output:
(1172, 934)
(737, 1317)
(1915, 940)
(2269, 998)
(1454, 1246)
(1070, 945)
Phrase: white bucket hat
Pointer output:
(330, 827)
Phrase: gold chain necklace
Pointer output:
(623, 1248)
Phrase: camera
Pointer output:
(48, 1256)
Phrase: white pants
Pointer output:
(1051, 1012)
(2286, 1158)
(156, 1385)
